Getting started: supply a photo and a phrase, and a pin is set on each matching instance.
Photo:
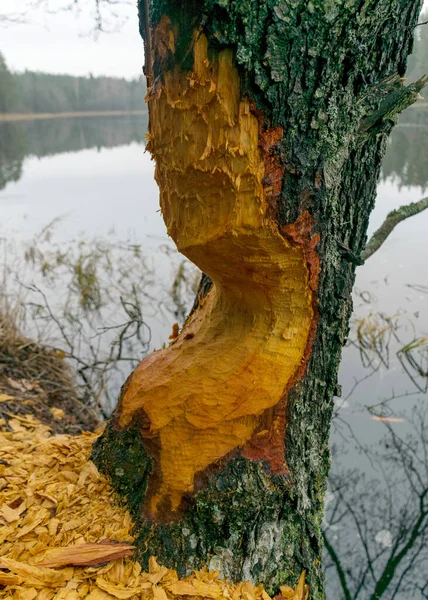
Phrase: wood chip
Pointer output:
(34, 575)
(9, 578)
(85, 555)
(22, 593)
(287, 592)
(10, 514)
(98, 594)
(159, 593)
(117, 591)
(27, 528)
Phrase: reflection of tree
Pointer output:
(12, 153)
(45, 137)
(407, 156)
(376, 532)
(54, 136)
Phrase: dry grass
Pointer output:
(37, 381)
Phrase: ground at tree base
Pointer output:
(52, 497)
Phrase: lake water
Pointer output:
(94, 173)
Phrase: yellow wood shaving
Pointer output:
(34, 575)
(9, 513)
(9, 578)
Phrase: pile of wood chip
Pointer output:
(63, 536)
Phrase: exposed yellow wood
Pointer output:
(204, 394)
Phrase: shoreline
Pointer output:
(93, 113)
(5, 117)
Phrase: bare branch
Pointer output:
(105, 15)
(393, 218)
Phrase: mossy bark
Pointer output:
(328, 72)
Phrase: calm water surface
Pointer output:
(95, 173)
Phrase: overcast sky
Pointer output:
(62, 42)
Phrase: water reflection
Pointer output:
(376, 528)
(12, 153)
(45, 137)
(405, 162)
(376, 522)
(407, 158)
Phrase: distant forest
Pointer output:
(34, 92)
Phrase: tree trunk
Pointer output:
(268, 125)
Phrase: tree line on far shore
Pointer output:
(36, 92)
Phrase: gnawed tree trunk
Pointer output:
(268, 123)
